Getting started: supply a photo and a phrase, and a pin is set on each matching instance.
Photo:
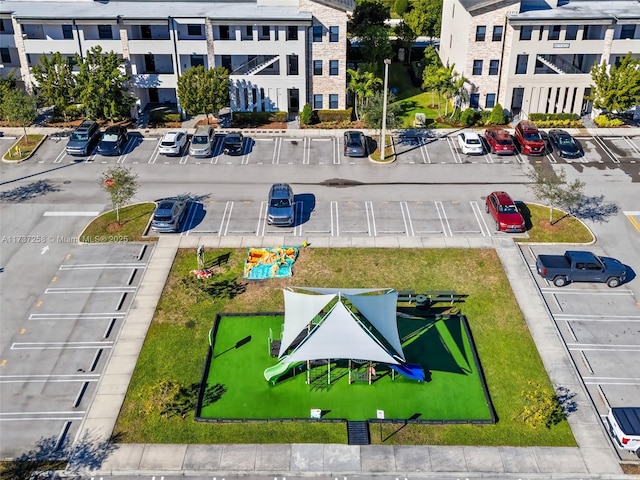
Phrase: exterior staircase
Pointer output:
(358, 433)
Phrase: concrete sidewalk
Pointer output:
(592, 458)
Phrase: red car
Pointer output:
(529, 139)
(504, 212)
(500, 141)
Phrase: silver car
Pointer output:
(169, 214)
(281, 205)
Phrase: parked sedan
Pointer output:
(504, 212)
(173, 142)
(233, 143)
(470, 142)
(499, 141)
(565, 144)
(113, 141)
(355, 144)
(169, 214)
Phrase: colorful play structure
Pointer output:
(324, 324)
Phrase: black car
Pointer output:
(355, 144)
(565, 144)
(169, 214)
(113, 141)
(233, 143)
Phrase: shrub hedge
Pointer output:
(258, 118)
(334, 115)
(605, 122)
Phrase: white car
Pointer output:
(173, 142)
(470, 142)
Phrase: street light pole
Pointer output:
(383, 136)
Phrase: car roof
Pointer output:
(86, 125)
(503, 198)
(557, 131)
(172, 134)
(470, 133)
(528, 125)
(500, 133)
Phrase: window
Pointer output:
(194, 30)
(525, 32)
(1, 25)
(5, 56)
(474, 100)
(292, 65)
(224, 32)
(292, 33)
(317, 33)
(105, 32)
(540, 32)
(248, 32)
(225, 61)
(494, 67)
(276, 33)
(571, 33)
(67, 32)
(334, 34)
(593, 32)
(481, 32)
(317, 102)
(628, 31)
(333, 67)
(497, 34)
(317, 67)
(265, 32)
(491, 100)
(521, 64)
(554, 32)
(197, 60)
(477, 67)
(333, 101)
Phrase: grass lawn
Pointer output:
(23, 147)
(133, 222)
(453, 390)
(567, 230)
(176, 344)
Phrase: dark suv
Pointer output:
(529, 139)
(83, 138)
(280, 210)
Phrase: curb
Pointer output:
(44, 137)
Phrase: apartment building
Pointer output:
(280, 54)
(535, 56)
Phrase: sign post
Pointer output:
(380, 416)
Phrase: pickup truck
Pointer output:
(578, 266)
(624, 427)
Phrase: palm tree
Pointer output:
(363, 85)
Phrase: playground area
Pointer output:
(343, 355)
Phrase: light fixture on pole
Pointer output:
(383, 139)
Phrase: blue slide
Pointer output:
(410, 370)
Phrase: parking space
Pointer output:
(601, 328)
(5, 144)
(54, 363)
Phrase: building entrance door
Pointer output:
(516, 101)
(293, 95)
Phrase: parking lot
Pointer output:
(322, 148)
(600, 327)
(52, 366)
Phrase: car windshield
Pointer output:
(565, 140)
(234, 141)
(532, 136)
(200, 140)
(473, 141)
(508, 209)
(280, 203)
(110, 137)
(79, 137)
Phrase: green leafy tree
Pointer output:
(363, 85)
(616, 88)
(372, 111)
(457, 90)
(400, 6)
(102, 87)
(376, 47)
(424, 17)
(440, 80)
(6, 84)
(497, 116)
(406, 37)
(56, 81)
(121, 184)
(552, 187)
(542, 406)
(305, 115)
(203, 91)
(367, 14)
(20, 107)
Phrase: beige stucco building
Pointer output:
(535, 56)
(280, 54)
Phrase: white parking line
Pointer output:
(520, 158)
(336, 151)
(261, 228)
(567, 317)
(632, 144)
(226, 216)
(59, 345)
(277, 148)
(406, 218)
(371, 221)
(606, 149)
(454, 152)
(424, 151)
(604, 347)
(191, 214)
(480, 219)
(446, 228)
(69, 214)
(297, 229)
(156, 152)
(75, 316)
(60, 156)
(569, 291)
(612, 381)
(335, 228)
(93, 266)
(67, 290)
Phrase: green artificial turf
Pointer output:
(453, 390)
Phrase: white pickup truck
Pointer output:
(624, 427)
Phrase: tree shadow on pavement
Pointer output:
(594, 208)
(32, 190)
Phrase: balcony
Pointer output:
(39, 46)
(561, 65)
(260, 65)
(142, 47)
(154, 80)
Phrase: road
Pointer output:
(63, 304)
